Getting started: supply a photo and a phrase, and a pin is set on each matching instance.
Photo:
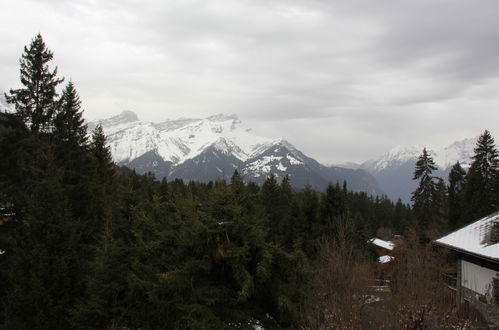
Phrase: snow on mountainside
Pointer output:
(393, 158)
(210, 148)
(178, 140)
(461, 151)
(394, 169)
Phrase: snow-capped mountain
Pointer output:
(395, 157)
(178, 140)
(211, 148)
(394, 169)
(461, 151)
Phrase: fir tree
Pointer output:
(333, 207)
(101, 154)
(456, 195)
(270, 197)
(35, 103)
(423, 196)
(101, 183)
(71, 146)
(482, 179)
(69, 125)
(400, 217)
(440, 208)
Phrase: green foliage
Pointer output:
(456, 195)
(482, 179)
(430, 197)
(423, 196)
(69, 125)
(35, 103)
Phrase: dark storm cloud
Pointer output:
(373, 73)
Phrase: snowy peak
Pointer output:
(394, 169)
(461, 151)
(211, 148)
(278, 158)
(392, 158)
(223, 117)
(227, 147)
(217, 123)
(125, 117)
(178, 140)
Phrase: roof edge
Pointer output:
(481, 256)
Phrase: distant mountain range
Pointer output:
(205, 149)
(210, 148)
(394, 169)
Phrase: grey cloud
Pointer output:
(371, 73)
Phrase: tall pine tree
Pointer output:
(456, 195)
(423, 196)
(482, 179)
(35, 103)
(69, 125)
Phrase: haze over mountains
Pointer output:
(394, 169)
(210, 148)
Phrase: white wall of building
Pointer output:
(476, 278)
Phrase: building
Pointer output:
(384, 249)
(477, 248)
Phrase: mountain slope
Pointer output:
(211, 148)
(394, 169)
(214, 162)
(284, 159)
(176, 140)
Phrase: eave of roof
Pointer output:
(477, 255)
(387, 245)
(474, 239)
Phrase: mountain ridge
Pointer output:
(205, 149)
(394, 169)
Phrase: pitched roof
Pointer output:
(478, 238)
(381, 243)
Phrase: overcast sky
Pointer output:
(341, 80)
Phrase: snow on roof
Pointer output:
(478, 238)
(385, 259)
(381, 243)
